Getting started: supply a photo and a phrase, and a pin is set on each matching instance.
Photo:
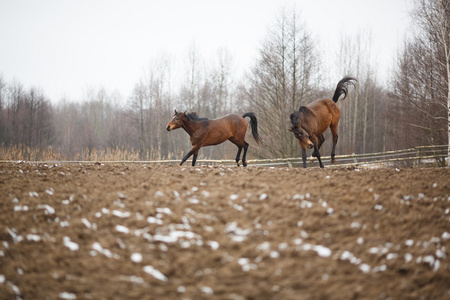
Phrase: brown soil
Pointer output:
(128, 231)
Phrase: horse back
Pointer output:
(221, 129)
(325, 106)
(326, 111)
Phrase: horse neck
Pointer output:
(191, 126)
(306, 121)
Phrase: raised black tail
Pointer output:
(254, 125)
(342, 87)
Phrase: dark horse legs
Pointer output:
(335, 139)
(194, 158)
(333, 128)
(317, 155)
(304, 157)
(244, 161)
(317, 141)
(238, 155)
(193, 151)
(321, 140)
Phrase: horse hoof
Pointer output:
(238, 164)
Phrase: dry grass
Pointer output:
(16, 153)
(27, 153)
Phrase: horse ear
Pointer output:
(176, 112)
(184, 112)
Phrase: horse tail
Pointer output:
(254, 126)
(342, 87)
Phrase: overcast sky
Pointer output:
(67, 46)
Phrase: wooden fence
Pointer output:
(414, 157)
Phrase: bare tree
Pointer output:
(222, 81)
(189, 94)
(283, 78)
(159, 82)
(139, 108)
(422, 80)
(3, 109)
(65, 122)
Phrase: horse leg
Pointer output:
(194, 158)
(318, 156)
(244, 162)
(304, 157)
(238, 155)
(335, 139)
(316, 142)
(192, 151)
(321, 140)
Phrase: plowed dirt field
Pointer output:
(133, 231)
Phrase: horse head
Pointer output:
(299, 132)
(176, 122)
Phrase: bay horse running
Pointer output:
(204, 132)
(311, 121)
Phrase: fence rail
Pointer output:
(416, 157)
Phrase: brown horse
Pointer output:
(311, 121)
(204, 132)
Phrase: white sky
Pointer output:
(67, 46)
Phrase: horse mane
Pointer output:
(304, 110)
(193, 116)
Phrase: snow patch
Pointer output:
(153, 220)
(322, 251)
(20, 208)
(263, 197)
(33, 237)
(136, 257)
(69, 244)
(155, 273)
(121, 214)
(67, 296)
(48, 209)
(207, 290)
(213, 244)
(237, 234)
(122, 229)
(97, 247)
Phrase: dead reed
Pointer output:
(16, 153)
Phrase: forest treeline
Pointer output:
(409, 109)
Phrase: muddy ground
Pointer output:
(129, 231)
